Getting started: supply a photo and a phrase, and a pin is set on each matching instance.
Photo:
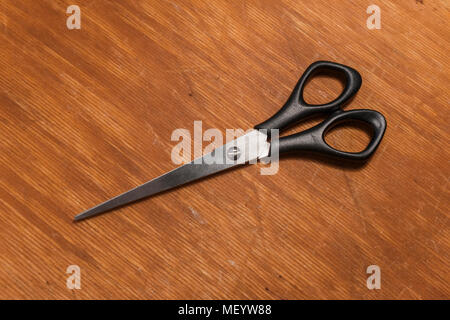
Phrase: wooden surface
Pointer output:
(87, 114)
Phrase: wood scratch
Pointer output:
(197, 216)
(355, 201)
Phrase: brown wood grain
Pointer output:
(87, 114)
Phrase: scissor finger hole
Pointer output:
(349, 136)
(323, 87)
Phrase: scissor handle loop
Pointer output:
(313, 139)
(296, 108)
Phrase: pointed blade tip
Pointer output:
(81, 216)
(78, 217)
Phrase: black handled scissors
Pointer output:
(256, 145)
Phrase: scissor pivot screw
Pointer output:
(233, 153)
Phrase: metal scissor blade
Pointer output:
(250, 147)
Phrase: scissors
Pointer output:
(259, 145)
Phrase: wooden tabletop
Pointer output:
(88, 113)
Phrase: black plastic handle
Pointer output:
(296, 108)
(313, 139)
